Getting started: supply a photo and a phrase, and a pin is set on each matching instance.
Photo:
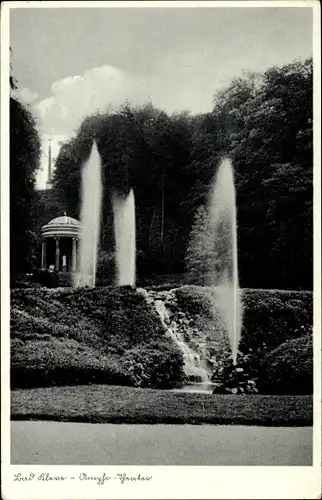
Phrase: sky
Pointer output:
(71, 62)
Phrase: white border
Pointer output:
(159, 3)
(168, 482)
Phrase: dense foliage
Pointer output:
(273, 322)
(263, 122)
(270, 317)
(102, 335)
(24, 162)
(288, 369)
(115, 336)
(201, 252)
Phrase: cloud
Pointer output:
(27, 96)
(75, 97)
(177, 82)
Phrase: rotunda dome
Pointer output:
(65, 219)
(61, 226)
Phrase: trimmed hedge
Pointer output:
(85, 335)
(62, 361)
(288, 369)
(272, 317)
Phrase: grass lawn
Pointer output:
(116, 404)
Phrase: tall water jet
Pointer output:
(223, 226)
(91, 204)
(124, 230)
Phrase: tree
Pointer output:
(168, 142)
(24, 162)
(200, 259)
(264, 123)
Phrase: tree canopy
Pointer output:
(263, 122)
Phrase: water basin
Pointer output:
(207, 387)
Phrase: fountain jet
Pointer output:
(223, 227)
(124, 230)
(91, 201)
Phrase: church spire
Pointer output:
(48, 183)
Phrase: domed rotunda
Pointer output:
(60, 244)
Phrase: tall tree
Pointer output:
(264, 122)
(201, 257)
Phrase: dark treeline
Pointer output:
(263, 122)
(24, 163)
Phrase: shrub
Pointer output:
(46, 278)
(24, 284)
(159, 366)
(288, 369)
(105, 268)
(196, 300)
(232, 379)
(53, 361)
(272, 317)
(166, 365)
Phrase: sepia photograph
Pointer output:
(160, 176)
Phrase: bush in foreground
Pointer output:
(272, 317)
(288, 369)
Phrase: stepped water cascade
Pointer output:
(223, 230)
(192, 362)
(124, 231)
(91, 201)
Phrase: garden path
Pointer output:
(56, 443)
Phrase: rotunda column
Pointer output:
(43, 254)
(77, 254)
(57, 254)
(74, 259)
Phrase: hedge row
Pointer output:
(101, 335)
(288, 369)
(115, 336)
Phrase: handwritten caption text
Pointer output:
(101, 479)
